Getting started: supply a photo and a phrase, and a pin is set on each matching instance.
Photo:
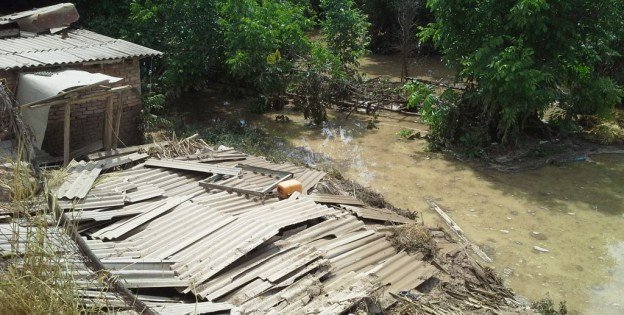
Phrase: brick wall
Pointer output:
(87, 119)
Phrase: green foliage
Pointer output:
(439, 111)
(262, 41)
(547, 307)
(320, 81)
(110, 17)
(261, 46)
(187, 32)
(153, 104)
(408, 134)
(522, 56)
(346, 30)
(247, 138)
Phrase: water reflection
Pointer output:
(608, 297)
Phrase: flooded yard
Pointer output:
(552, 232)
(574, 211)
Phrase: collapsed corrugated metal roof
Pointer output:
(74, 46)
(228, 246)
(163, 235)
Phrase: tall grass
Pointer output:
(36, 275)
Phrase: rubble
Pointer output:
(208, 225)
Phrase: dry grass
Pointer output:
(35, 277)
(607, 133)
(413, 238)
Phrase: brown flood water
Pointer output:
(577, 210)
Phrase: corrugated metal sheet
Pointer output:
(308, 177)
(103, 215)
(193, 308)
(118, 229)
(233, 204)
(106, 200)
(194, 166)
(270, 270)
(144, 192)
(78, 184)
(210, 255)
(288, 256)
(77, 47)
(334, 199)
(252, 181)
(378, 214)
(177, 230)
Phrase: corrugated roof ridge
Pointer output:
(78, 46)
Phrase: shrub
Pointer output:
(520, 57)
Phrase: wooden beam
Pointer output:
(66, 134)
(77, 100)
(107, 137)
(117, 120)
(65, 95)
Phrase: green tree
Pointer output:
(262, 41)
(519, 57)
(187, 31)
(346, 30)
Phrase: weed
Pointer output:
(408, 134)
(472, 145)
(547, 307)
(35, 276)
(607, 133)
(413, 237)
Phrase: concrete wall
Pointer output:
(87, 120)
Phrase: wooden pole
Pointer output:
(66, 134)
(108, 124)
(117, 119)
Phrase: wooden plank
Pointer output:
(66, 134)
(73, 101)
(108, 125)
(457, 230)
(230, 189)
(127, 150)
(117, 120)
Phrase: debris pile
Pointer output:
(208, 226)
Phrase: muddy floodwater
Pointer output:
(574, 211)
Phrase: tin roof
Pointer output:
(75, 46)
